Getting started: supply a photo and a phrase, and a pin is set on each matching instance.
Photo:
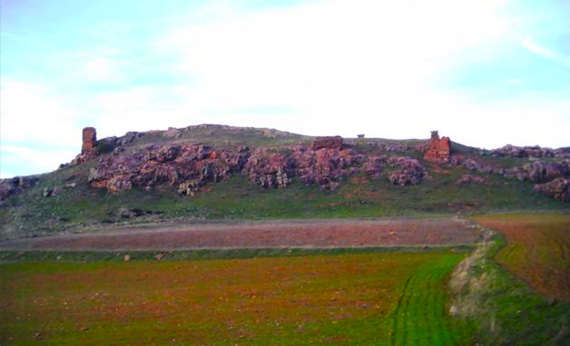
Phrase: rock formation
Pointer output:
(558, 188)
(468, 179)
(410, 172)
(16, 185)
(533, 152)
(438, 149)
(332, 142)
(191, 166)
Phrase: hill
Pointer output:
(215, 172)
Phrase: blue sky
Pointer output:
(485, 73)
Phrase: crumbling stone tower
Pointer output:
(438, 149)
(89, 140)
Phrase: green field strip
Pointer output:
(420, 317)
(13, 256)
(349, 299)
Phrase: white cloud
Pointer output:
(545, 52)
(37, 160)
(338, 67)
(32, 112)
(101, 70)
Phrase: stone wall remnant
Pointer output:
(89, 140)
(438, 148)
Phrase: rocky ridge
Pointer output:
(170, 158)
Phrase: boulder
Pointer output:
(411, 171)
(329, 142)
(189, 187)
(468, 179)
(373, 167)
(16, 186)
(558, 188)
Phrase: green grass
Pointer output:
(30, 214)
(239, 199)
(504, 309)
(421, 317)
(537, 250)
(345, 299)
(12, 257)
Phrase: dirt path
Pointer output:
(287, 233)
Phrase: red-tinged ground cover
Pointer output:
(366, 299)
(287, 233)
(537, 250)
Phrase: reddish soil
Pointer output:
(290, 233)
(537, 251)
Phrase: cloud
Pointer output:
(18, 160)
(546, 52)
(32, 112)
(101, 70)
(319, 68)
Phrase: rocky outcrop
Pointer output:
(410, 172)
(325, 166)
(191, 166)
(269, 169)
(438, 149)
(16, 186)
(374, 165)
(531, 152)
(558, 188)
(170, 164)
(469, 179)
(331, 142)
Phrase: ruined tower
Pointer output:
(89, 139)
(438, 149)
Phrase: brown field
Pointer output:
(293, 233)
(537, 251)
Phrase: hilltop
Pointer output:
(215, 172)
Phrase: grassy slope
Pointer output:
(537, 250)
(237, 198)
(346, 299)
(30, 214)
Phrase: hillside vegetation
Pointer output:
(212, 172)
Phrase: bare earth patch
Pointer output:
(289, 233)
(537, 250)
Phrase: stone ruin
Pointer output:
(88, 147)
(438, 148)
(89, 140)
(330, 142)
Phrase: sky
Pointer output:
(485, 73)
